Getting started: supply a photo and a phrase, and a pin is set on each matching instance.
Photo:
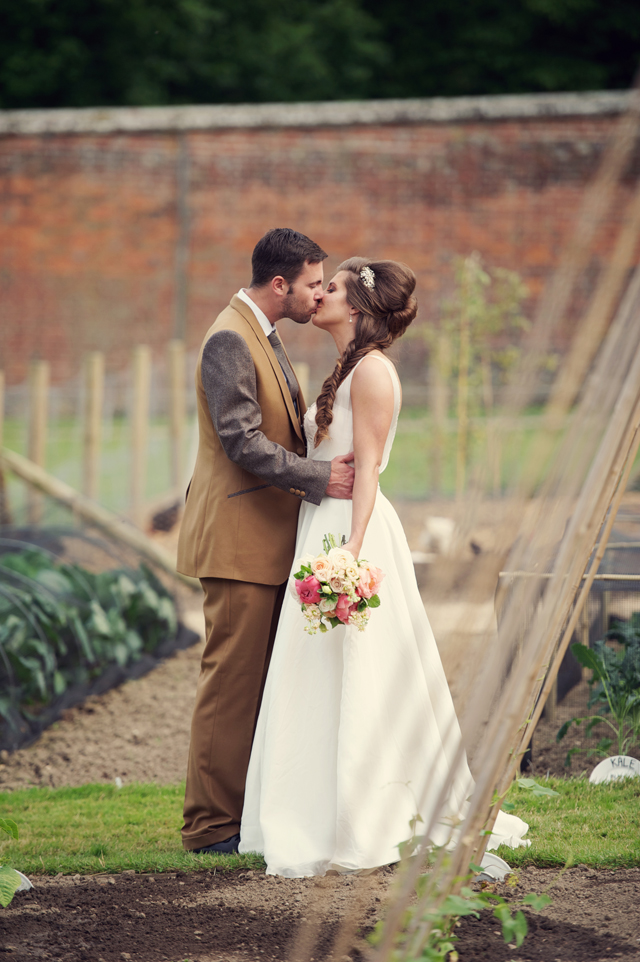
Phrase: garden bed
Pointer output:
(209, 916)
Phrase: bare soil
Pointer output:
(207, 917)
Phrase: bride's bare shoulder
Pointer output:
(367, 380)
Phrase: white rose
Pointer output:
(337, 584)
(326, 605)
(352, 572)
(340, 559)
(306, 559)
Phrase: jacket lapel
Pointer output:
(244, 309)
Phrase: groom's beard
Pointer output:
(296, 310)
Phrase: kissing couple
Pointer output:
(316, 751)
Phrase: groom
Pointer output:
(239, 527)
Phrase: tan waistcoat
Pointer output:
(233, 525)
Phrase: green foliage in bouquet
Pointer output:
(615, 690)
(62, 625)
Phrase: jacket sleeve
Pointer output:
(229, 380)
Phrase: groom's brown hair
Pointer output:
(283, 252)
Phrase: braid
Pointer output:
(385, 312)
(344, 366)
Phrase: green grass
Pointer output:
(98, 828)
(595, 825)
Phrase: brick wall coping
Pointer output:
(104, 120)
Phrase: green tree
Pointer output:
(448, 48)
(56, 53)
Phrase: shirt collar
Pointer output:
(261, 317)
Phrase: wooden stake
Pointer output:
(5, 515)
(140, 429)
(37, 441)
(177, 412)
(94, 398)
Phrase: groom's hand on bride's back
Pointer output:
(341, 477)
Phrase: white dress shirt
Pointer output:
(261, 317)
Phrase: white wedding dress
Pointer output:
(357, 731)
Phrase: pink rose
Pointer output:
(309, 590)
(370, 580)
(344, 609)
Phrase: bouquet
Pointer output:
(335, 589)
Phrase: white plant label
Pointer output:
(617, 766)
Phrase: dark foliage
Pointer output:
(56, 53)
(445, 48)
(76, 53)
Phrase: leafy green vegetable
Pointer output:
(615, 689)
(9, 883)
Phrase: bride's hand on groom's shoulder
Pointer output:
(341, 477)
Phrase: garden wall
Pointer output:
(131, 225)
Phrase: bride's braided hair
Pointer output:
(386, 310)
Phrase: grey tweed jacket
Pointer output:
(251, 472)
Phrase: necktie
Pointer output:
(289, 376)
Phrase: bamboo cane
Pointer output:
(589, 334)
(113, 525)
(588, 580)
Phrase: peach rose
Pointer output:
(322, 568)
(370, 580)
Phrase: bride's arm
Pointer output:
(372, 407)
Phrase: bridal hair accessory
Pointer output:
(368, 278)
(334, 589)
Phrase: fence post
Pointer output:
(139, 428)
(5, 517)
(177, 412)
(37, 441)
(92, 436)
(439, 397)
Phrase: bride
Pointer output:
(357, 731)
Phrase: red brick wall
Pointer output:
(89, 223)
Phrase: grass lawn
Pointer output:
(98, 828)
(595, 825)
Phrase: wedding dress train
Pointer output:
(357, 732)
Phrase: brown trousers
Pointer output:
(240, 620)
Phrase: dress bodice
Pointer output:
(340, 440)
